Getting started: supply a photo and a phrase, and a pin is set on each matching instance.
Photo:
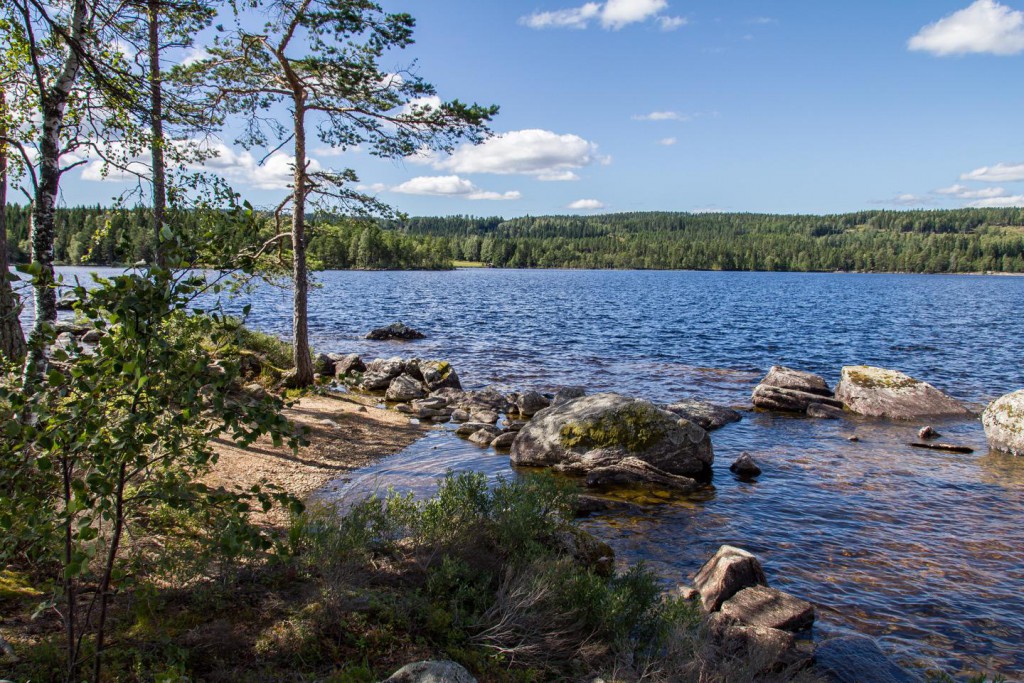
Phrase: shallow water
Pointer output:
(923, 549)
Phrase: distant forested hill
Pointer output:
(960, 240)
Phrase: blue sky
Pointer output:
(779, 106)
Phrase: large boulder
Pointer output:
(770, 649)
(404, 389)
(729, 571)
(397, 330)
(431, 672)
(858, 659)
(769, 608)
(878, 392)
(788, 390)
(600, 430)
(1004, 423)
(707, 415)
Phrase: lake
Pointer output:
(923, 550)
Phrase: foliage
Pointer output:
(112, 435)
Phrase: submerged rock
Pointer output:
(1004, 423)
(397, 330)
(788, 390)
(878, 392)
(745, 466)
(858, 659)
(633, 472)
(599, 431)
(729, 571)
(769, 608)
(927, 433)
(824, 412)
(708, 415)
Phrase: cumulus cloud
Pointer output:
(449, 186)
(422, 105)
(986, 27)
(612, 15)
(586, 205)
(576, 17)
(1000, 173)
(998, 202)
(194, 55)
(667, 142)
(539, 153)
(964, 192)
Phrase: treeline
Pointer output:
(101, 236)
(960, 240)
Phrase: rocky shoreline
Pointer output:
(610, 442)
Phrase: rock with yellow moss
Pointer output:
(878, 392)
(1004, 423)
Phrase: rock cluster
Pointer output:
(398, 330)
(878, 392)
(614, 440)
(746, 617)
(401, 380)
(795, 391)
(1004, 423)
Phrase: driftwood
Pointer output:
(948, 447)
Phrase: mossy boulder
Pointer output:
(879, 392)
(600, 431)
(1004, 423)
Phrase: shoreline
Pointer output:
(344, 433)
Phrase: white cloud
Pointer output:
(612, 15)
(964, 192)
(576, 17)
(449, 186)
(422, 105)
(276, 173)
(672, 23)
(620, 13)
(905, 199)
(998, 202)
(375, 188)
(1000, 173)
(762, 21)
(586, 205)
(335, 151)
(539, 153)
(986, 27)
(194, 55)
(667, 142)
(661, 116)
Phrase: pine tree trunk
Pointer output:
(303, 373)
(156, 144)
(12, 341)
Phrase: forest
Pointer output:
(943, 241)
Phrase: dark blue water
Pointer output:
(922, 549)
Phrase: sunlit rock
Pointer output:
(1004, 423)
(878, 392)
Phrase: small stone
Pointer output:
(460, 415)
(346, 365)
(484, 436)
(824, 412)
(431, 672)
(404, 388)
(928, 433)
(745, 466)
(504, 441)
(567, 394)
(92, 336)
(488, 416)
(532, 403)
(687, 593)
(470, 428)
(854, 439)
